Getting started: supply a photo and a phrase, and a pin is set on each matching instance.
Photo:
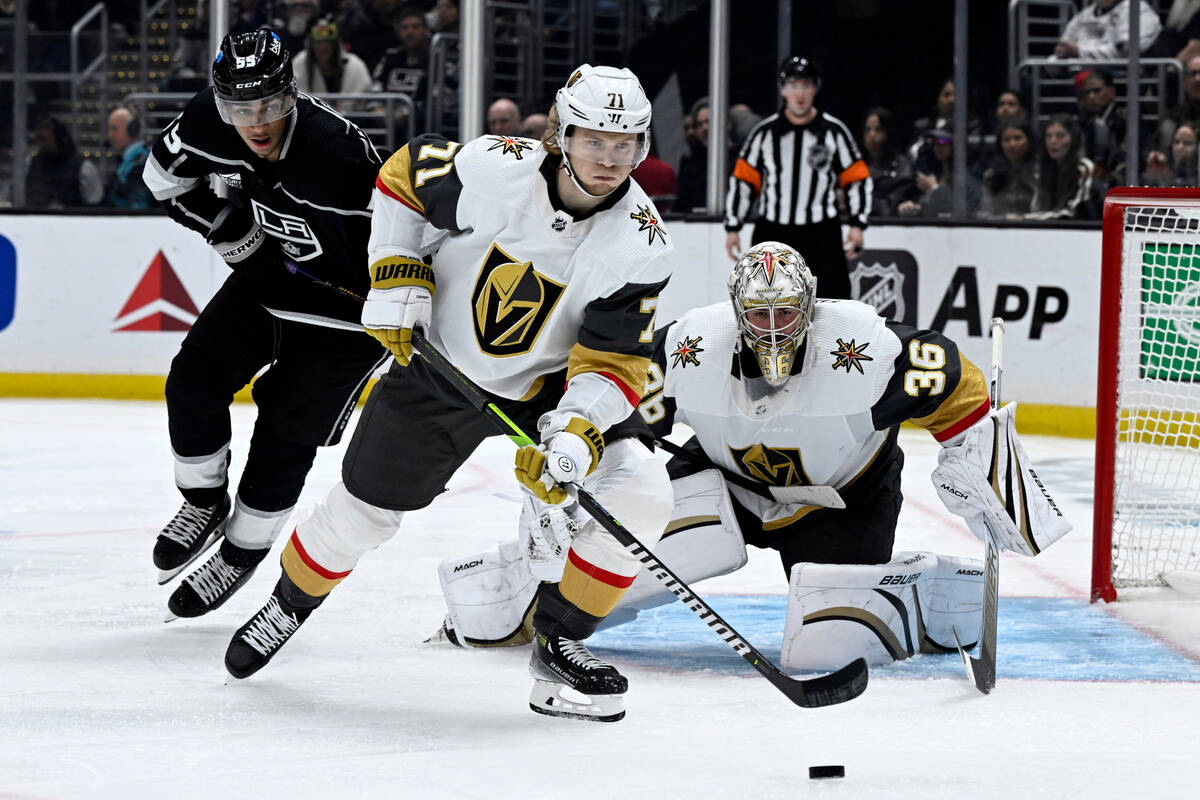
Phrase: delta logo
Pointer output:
(159, 302)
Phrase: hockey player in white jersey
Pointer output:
(532, 267)
(795, 405)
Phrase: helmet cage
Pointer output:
(773, 278)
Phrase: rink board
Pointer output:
(1038, 638)
(97, 306)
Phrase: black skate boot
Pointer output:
(257, 642)
(215, 582)
(188, 535)
(558, 663)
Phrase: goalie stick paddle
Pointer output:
(838, 687)
(981, 671)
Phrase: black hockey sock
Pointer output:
(242, 557)
(295, 597)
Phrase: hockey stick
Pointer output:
(982, 671)
(812, 495)
(847, 683)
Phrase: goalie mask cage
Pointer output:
(1147, 493)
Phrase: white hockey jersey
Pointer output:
(523, 286)
(833, 422)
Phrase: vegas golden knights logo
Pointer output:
(511, 301)
(775, 466)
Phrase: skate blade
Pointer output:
(443, 636)
(547, 698)
(165, 575)
(169, 617)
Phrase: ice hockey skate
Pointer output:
(257, 642)
(214, 582)
(445, 634)
(188, 535)
(568, 681)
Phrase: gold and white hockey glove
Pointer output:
(571, 448)
(988, 480)
(400, 300)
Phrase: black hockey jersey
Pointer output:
(311, 207)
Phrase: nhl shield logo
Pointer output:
(511, 302)
(819, 156)
(880, 286)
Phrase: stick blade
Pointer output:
(981, 672)
(825, 690)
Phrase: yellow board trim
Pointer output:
(101, 387)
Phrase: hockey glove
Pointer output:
(400, 300)
(988, 480)
(571, 448)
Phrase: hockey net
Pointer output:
(1147, 497)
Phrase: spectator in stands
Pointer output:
(325, 67)
(292, 29)
(126, 189)
(692, 191)
(405, 68)
(58, 176)
(1009, 180)
(935, 180)
(248, 15)
(1188, 109)
(534, 126)
(891, 170)
(1101, 31)
(1101, 123)
(742, 120)
(443, 17)
(1010, 108)
(1179, 168)
(656, 178)
(1065, 187)
(369, 29)
(942, 117)
(504, 118)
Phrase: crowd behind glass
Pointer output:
(1019, 168)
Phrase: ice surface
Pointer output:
(100, 699)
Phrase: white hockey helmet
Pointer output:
(773, 294)
(604, 99)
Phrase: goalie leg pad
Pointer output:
(702, 540)
(839, 612)
(489, 597)
(631, 483)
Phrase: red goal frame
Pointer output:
(1115, 203)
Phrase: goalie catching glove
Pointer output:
(988, 480)
(571, 448)
(400, 300)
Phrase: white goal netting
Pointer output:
(1156, 481)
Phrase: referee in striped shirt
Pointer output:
(793, 162)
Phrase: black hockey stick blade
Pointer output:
(838, 687)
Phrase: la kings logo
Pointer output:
(297, 238)
(511, 303)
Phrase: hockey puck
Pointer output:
(827, 771)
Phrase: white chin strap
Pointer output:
(578, 185)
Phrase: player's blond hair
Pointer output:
(550, 135)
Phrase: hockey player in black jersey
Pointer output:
(294, 208)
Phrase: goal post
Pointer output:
(1147, 481)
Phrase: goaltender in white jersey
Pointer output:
(532, 267)
(795, 406)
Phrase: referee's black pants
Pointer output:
(821, 246)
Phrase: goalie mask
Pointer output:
(608, 100)
(773, 294)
